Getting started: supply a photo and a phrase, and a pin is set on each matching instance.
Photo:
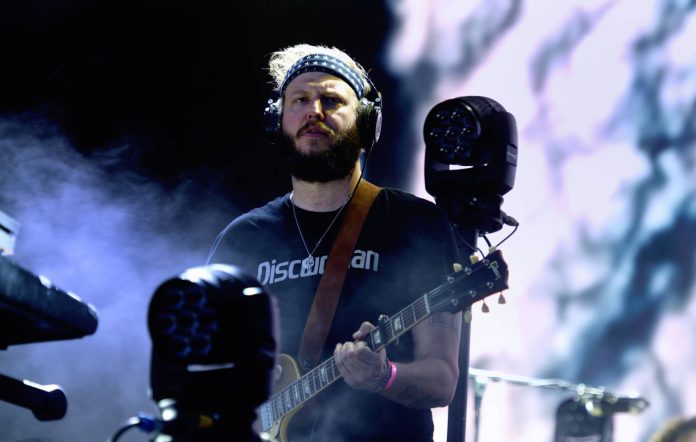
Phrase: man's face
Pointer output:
(320, 136)
(317, 107)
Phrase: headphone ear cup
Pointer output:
(272, 118)
(369, 123)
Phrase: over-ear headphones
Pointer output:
(369, 118)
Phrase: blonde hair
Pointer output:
(281, 61)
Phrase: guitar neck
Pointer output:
(319, 378)
(391, 328)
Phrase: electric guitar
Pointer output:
(457, 292)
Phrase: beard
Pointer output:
(336, 162)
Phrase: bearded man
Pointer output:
(328, 112)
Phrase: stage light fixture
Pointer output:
(470, 163)
(470, 159)
(213, 350)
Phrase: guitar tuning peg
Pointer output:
(467, 315)
(501, 299)
(484, 307)
(457, 267)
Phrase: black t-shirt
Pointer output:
(405, 248)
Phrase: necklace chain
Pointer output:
(308, 262)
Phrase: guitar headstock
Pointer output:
(471, 284)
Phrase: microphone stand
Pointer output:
(597, 400)
(456, 412)
(479, 388)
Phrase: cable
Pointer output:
(471, 247)
(143, 421)
(129, 424)
(506, 238)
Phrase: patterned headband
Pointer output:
(325, 63)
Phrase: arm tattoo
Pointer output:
(410, 394)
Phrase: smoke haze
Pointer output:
(111, 238)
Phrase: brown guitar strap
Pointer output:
(326, 298)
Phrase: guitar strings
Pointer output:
(418, 308)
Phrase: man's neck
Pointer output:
(324, 197)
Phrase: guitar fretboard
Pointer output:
(391, 328)
(303, 389)
(326, 373)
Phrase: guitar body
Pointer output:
(285, 373)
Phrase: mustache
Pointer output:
(316, 125)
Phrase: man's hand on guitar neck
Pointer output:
(427, 382)
(361, 368)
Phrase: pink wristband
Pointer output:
(392, 377)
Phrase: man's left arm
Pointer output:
(431, 379)
(427, 382)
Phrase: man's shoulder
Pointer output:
(400, 200)
(405, 197)
(405, 212)
(269, 213)
(251, 230)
